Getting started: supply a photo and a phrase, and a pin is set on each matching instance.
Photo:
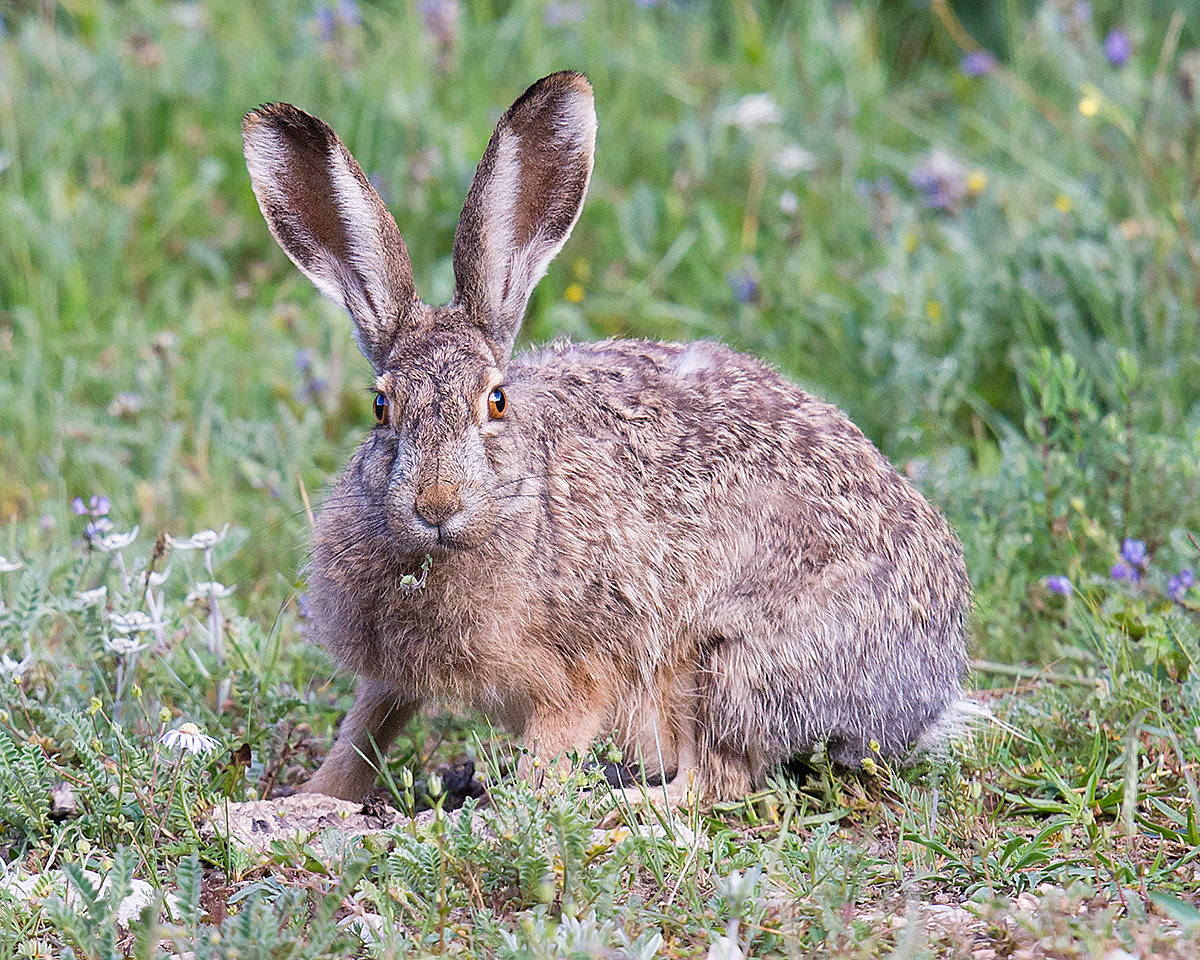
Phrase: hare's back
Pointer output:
(700, 442)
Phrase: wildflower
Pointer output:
(325, 25)
(124, 646)
(8, 566)
(942, 178)
(1117, 47)
(978, 63)
(1179, 584)
(1058, 584)
(789, 203)
(564, 13)
(348, 13)
(208, 590)
(573, 293)
(133, 622)
(1083, 11)
(754, 110)
(157, 578)
(794, 159)
(1089, 106)
(204, 540)
(933, 310)
(441, 20)
(1062, 203)
(91, 598)
(1133, 552)
(14, 668)
(744, 286)
(115, 541)
(126, 405)
(189, 738)
(304, 359)
(1123, 571)
(977, 181)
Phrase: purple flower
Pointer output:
(1123, 571)
(744, 286)
(1178, 585)
(1186, 578)
(1133, 552)
(304, 360)
(1059, 584)
(942, 178)
(1117, 47)
(100, 505)
(978, 63)
(1083, 11)
(78, 506)
(347, 12)
(325, 25)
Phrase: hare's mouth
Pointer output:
(451, 536)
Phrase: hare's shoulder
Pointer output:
(698, 386)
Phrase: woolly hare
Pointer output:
(666, 542)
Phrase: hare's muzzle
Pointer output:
(437, 502)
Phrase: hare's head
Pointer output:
(440, 405)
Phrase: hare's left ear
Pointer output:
(525, 199)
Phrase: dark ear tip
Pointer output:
(555, 84)
(286, 118)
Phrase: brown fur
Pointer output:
(665, 541)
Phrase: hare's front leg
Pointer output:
(353, 762)
(551, 737)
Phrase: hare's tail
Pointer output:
(954, 723)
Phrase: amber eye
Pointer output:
(380, 408)
(497, 403)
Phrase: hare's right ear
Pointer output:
(330, 221)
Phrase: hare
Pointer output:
(668, 543)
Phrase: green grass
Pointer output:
(1028, 351)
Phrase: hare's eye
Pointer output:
(381, 408)
(497, 403)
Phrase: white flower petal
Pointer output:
(123, 646)
(754, 110)
(204, 540)
(157, 578)
(133, 622)
(8, 566)
(207, 590)
(116, 541)
(92, 597)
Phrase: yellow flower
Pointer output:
(933, 310)
(977, 181)
(573, 293)
(1062, 203)
(910, 242)
(1089, 106)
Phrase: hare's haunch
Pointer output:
(666, 542)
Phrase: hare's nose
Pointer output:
(437, 502)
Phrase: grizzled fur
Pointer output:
(665, 541)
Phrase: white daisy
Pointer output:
(188, 737)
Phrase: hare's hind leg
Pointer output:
(352, 764)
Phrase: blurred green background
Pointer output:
(989, 260)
